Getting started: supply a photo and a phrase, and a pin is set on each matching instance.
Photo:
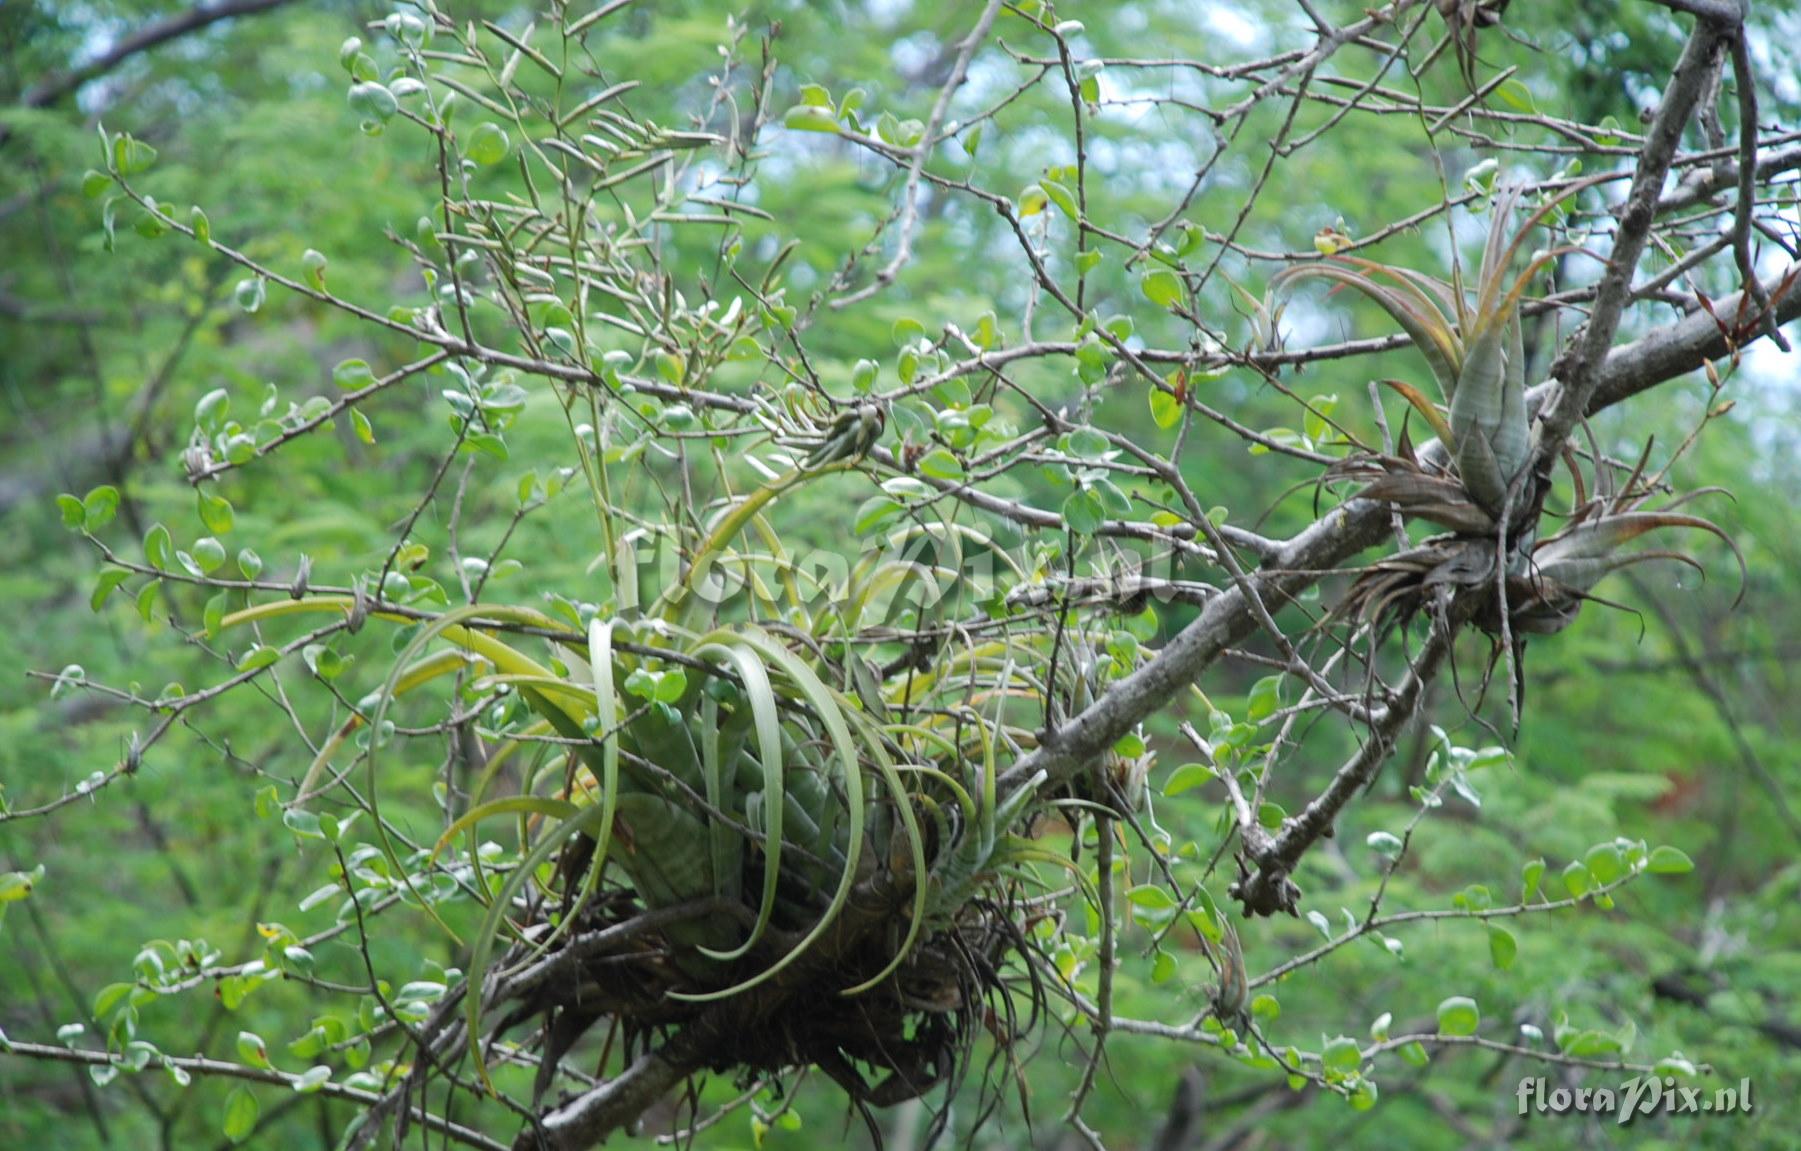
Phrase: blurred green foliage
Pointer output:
(1673, 721)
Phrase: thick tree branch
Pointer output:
(1343, 532)
(51, 89)
(1726, 12)
(592, 1116)
(1615, 291)
(1269, 890)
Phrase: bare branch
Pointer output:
(51, 89)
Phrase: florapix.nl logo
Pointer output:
(1646, 1095)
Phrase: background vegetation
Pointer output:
(1668, 720)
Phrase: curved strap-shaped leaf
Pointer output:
(431, 667)
(482, 946)
(1412, 309)
(1599, 538)
(1427, 410)
(903, 808)
(677, 602)
(512, 804)
(761, 695)
(600, 664)
(723, 845)
(820, 700)
(1478, 412)
(449, 626)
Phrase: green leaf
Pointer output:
(131, 155)
(1342, 1056)
(240, 1114)
(1531, 876)
(1187, 777)
(158, 550)
(1063, 198)
(203, 227)
(1517, 95)
(1502, 946)
(211, 410)
(1458, 1015)
(1082, 513)
(906, 330)
(1675, 1064)
(1088, 443)
(940, 464)
(312, 1079)
(314, 262)
(259, 656)
(252, 1050)
(95, 184)
(863, 376)
(352, 374)
(104, 586)
(1265, 698)
(670, 686)
(1166, 409)
(208, 554)
(1163, 969)
(1667, 860)
(1266, 1008)
(215, 512)
(1032, 200)
(488, 444)
(373, 102)
(1415, 1054)
(1151, 896)
(1605, 863)
(99, 506)
(1577, 879)
(809, 118)
(17, 885)
(1386, 843)
(249, 293)
(874, 512)
(147, 598)
(75, 517)
(150, 225)
(488, 145)
(1590, 1045)
(1162, 287)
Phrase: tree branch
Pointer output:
(201, 1066)
(51, 89)
(1615, 290)
(1661, 355)
(1270, 890)
(593, 1115)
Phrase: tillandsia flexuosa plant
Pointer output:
(715, 772)
(1473, 345)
